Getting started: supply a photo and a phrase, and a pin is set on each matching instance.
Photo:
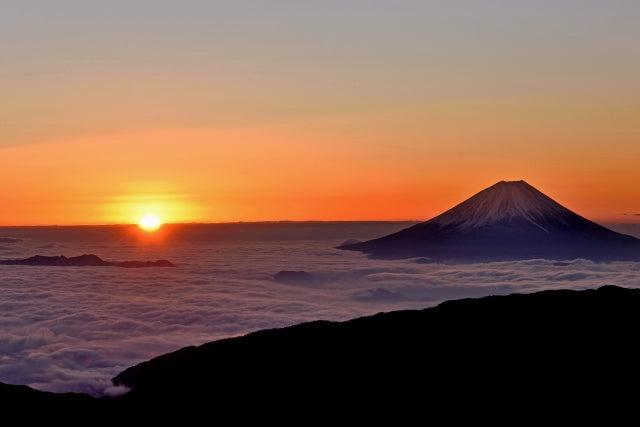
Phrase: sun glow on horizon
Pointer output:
(150, 223)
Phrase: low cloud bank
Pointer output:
(73, 329)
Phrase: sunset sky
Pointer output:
(253, 110)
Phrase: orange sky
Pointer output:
(240, 113)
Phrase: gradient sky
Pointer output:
(314, 110)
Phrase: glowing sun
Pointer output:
(150, 223)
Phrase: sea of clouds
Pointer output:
(74, 328)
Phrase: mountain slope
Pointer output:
(517, 358)
(509, 220)
(514, 351)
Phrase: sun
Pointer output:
(150, 223)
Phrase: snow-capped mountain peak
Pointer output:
(504, 201)
(509, 220)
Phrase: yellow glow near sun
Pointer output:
(150, 223)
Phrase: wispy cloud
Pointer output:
(10, 240)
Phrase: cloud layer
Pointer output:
(74, 328)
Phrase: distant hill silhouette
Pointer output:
(508, 221)
(563, 354)
(82, 261)
(293, 277)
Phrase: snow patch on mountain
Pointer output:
(503, 202)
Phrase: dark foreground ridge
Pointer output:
(561, 353)
(82, 261)
(511, 220)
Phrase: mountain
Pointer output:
(518, 357)
(508, 221)
(59, 260)
(518, 351)
(83, 261)
(559, 344)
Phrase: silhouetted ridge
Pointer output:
(515, 348)
(509, 220)
(293, 277)
(82, 261)
(496, 356)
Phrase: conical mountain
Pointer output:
(509, 220)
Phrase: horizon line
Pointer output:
(221, 222)
(283, 221)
